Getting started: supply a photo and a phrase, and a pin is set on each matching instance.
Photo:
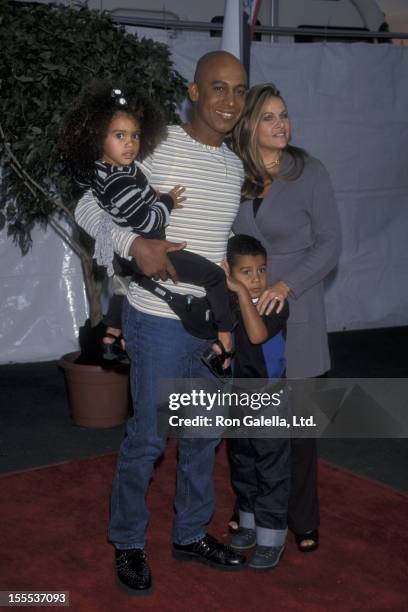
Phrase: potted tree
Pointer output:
(48, 54)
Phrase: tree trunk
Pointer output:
(93, 288)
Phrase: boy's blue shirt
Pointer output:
(274, 355)
(266, 360)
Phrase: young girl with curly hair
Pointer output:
(103, 138)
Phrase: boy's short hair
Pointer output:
(241, 244)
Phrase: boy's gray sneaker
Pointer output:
(266, 557)
(243, 539)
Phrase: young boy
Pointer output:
(259, 467)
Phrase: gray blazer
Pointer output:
(299, 226)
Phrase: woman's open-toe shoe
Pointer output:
(113, 351)
(233, 523)
(215, 361)
(313, 536)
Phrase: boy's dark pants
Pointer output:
(260, 473)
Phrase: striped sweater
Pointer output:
(124, 192)
(212, 177)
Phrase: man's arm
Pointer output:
(150, 255)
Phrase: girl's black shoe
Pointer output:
(113, 351)
(214, 361)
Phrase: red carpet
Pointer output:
(53, 538)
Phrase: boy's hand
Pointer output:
(233, 284)
(177, 196)
(254, 326)
(273, 297)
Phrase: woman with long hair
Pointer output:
(289, 206)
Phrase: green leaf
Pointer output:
(25, 79)
(49, 66)
(48, 54)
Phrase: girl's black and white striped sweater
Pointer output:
(126, 195)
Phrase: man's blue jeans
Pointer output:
(159, 348)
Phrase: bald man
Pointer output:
(193, 155)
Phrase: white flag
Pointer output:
(231, 40)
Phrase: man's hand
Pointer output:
(151, 257)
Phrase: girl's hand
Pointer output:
(177, 196)
(273, 297)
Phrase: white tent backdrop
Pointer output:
(349, 107)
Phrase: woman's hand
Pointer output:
(273, 297)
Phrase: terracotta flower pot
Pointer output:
(97, 397)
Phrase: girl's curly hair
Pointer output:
(85, 126)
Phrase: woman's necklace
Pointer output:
(276, 163)
(272, 170)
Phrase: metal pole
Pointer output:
(201, 26)
(246, 43)
(275, 18)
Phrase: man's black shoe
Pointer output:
(133, 571)
(211, 552)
